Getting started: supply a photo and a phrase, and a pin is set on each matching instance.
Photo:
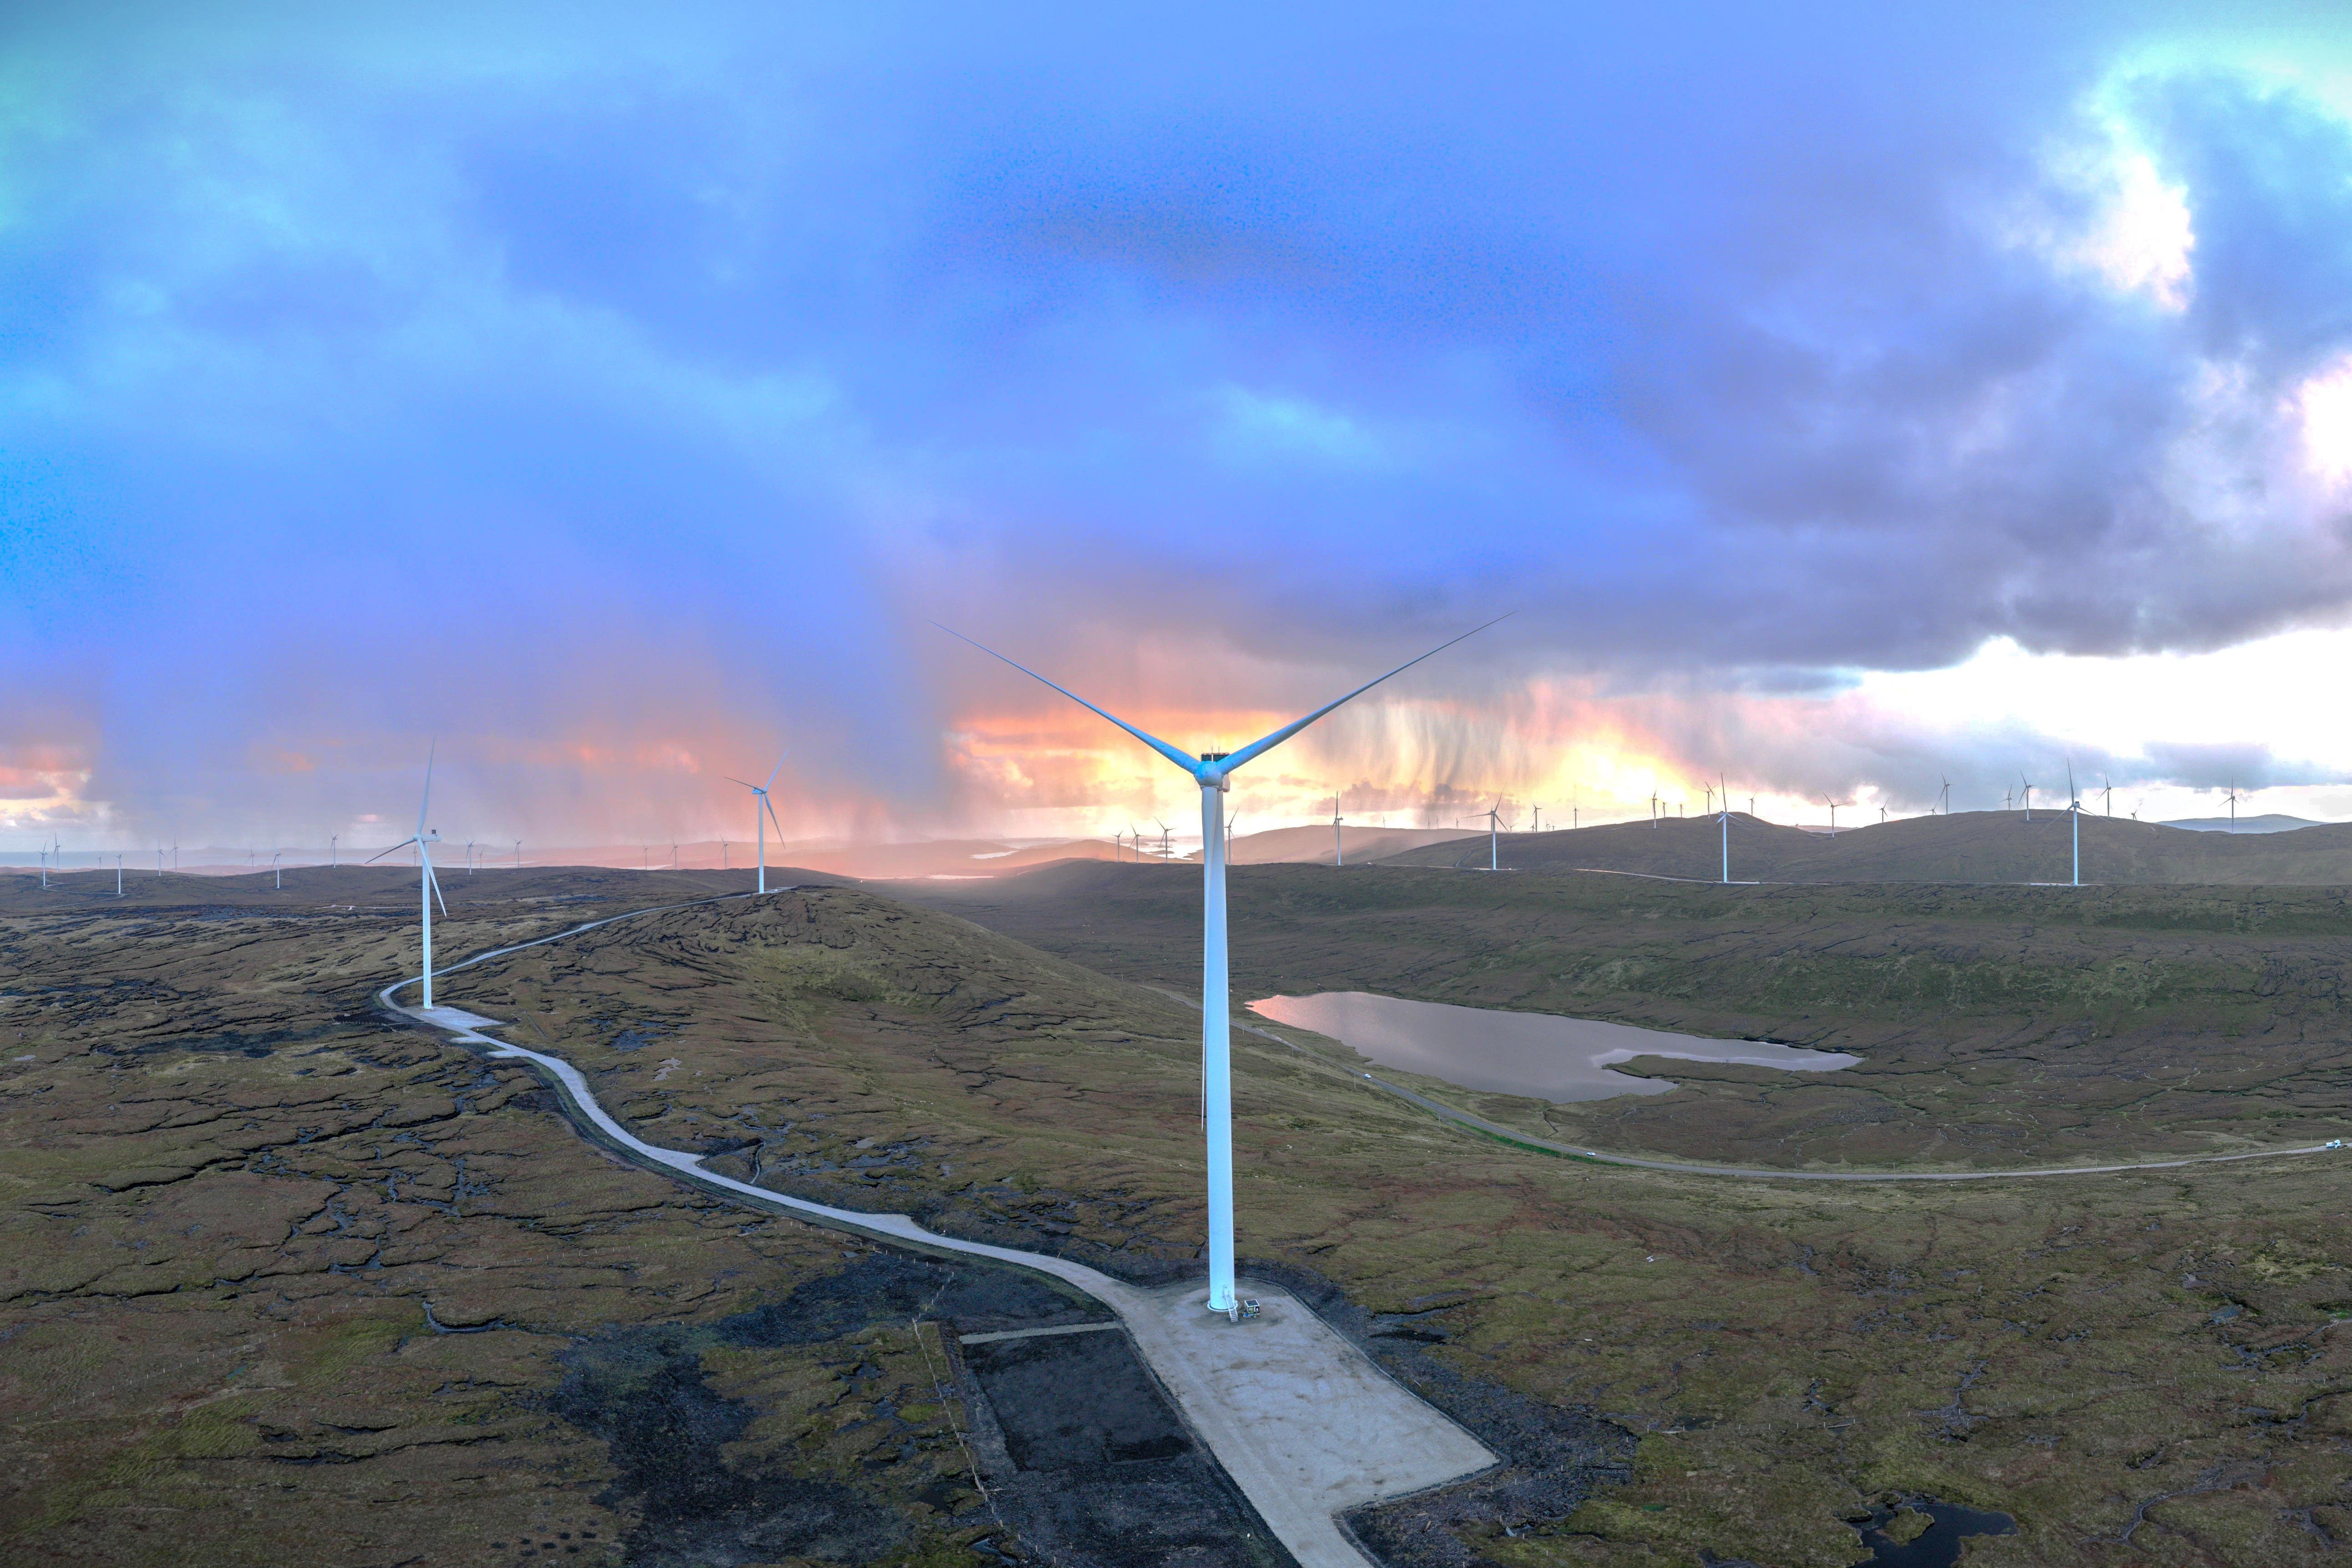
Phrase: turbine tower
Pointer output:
(2028, 785)
(428, 887)
(1338, 844)
(2234, 805)
(759, 822)
(1947, 796)
(2074, 810)
(1211, 772)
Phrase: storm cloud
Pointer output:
(611, 393)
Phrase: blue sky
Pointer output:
(1841, 399)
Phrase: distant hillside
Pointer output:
(1313, 846)
(2272, 822)
(1970, 847)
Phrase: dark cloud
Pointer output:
(491, 379)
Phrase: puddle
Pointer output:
(1937, 1546)
(1534, 1054)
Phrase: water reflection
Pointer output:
(1534, 1054)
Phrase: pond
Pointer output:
(1534, 1054)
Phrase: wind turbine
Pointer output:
(1833, 806)
(2234, 805)
(470, 856)
(277, 870)
(158, 862)
(1338, 844)
(428, 887)
(759, 822)
(45, 867)
(2108, 788)
(1167, 848)
(1653, 806)
(1495, 835)
(2029, 795)
(1946, 795)
(118, 873)
(2074, 810)
(1211, 773)
(334, 852)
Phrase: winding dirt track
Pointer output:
(1305, 1423)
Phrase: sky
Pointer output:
(1840, 401)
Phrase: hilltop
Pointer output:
(1982, 847)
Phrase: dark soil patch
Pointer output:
(1091, 1465)
(1066, 1400)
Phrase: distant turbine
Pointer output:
(334, 856)
(428, 887)
(2108, 788)
(1338, 845)
(1653, 808)
(1833, 804)
(2029, 795)
(760, 824)
(2234, 805)
(518, 854)
(1535, 824)
(470, 856)
(2075, 811)
(1947, 796)
(118, 873)
(1211, 773)
(1167, 850)
(673, 854)
(158, 862)
(277, 870)
(45, 867)
(1495, 835)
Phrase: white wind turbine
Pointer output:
(760, 823)
(2028, 796)
(2075, 811)
(1946, 794)
(428, 887)
(1338, 845)
(2234, 805)
(1211, 773)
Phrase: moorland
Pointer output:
(286, 1275)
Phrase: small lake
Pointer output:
(1534, 1054)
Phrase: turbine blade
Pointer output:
(771, 817)
(773, 772)
(731, 778)
(1260, 747)
(1188, 764)
(382, 853)
(434, 883)
(425, 807)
